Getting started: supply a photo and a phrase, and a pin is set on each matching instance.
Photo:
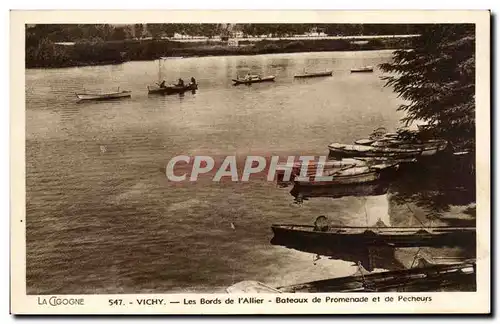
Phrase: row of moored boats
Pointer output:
(256, 78)
(365, 162)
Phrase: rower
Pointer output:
(193, 80)
(162, 84)
(180, 83)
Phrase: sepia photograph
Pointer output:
(251, 158)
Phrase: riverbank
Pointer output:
(46, 54)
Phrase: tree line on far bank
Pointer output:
(95, 51)
(105, 43)
(108, 32)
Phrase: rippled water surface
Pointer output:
(102, 217)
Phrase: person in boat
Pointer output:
(193, 80)
(180, 83)
(321, 224)
(162, 84)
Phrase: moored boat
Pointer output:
(422, 278)
(376, 188)
(171, 57)
(352, 175)
(418, 279)
(328, 235)
(104, 96)
(314, 74)
(395, 149)
(362, 69)
(364, 172)
(254, 79)
(341, 172)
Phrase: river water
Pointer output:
(103, 218)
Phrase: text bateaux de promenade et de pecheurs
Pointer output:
(292, 300)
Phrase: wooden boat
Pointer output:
(376, 188)
(348, 175)
(374, 236)
(254, 79)
(294, 168)
(314, 74)
(353, 175)
(430, 278)
(171, 57)
(343, 172)
(362, 69)
(381, 256)
(418, 279)
(172, 89)
(104, 96)
(388, 149)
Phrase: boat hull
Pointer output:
(377, 188)
(375, 236)
(360, 178)
(105, 96)
(168, 90)
(314, 75)
(363, 70)
(395, 151)
(243, 81)
(430, 278)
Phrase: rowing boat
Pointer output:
(172, 89)
(362, 69)
(388, 149)
(357, 174)
(342, 172)
(428, 278)
(104, 96)
(418, 279)
(254, 79)
(376, 188)
(314, 74)
(375, 236)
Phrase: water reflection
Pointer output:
(301, 193)
(436, 184)
(428, 191)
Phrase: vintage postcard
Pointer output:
(250, 162)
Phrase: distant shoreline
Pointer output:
(89, 64)
(96, 54)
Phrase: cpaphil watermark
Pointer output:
(302, 168)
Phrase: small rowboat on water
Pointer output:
(254, 79)
(389, 149)
(172, 89)
(314, 74)
(301, 193)
(375, 236)
(343, 172)
(104, 96)
(362, 69)
(171, 57)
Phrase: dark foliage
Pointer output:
(437, 80)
